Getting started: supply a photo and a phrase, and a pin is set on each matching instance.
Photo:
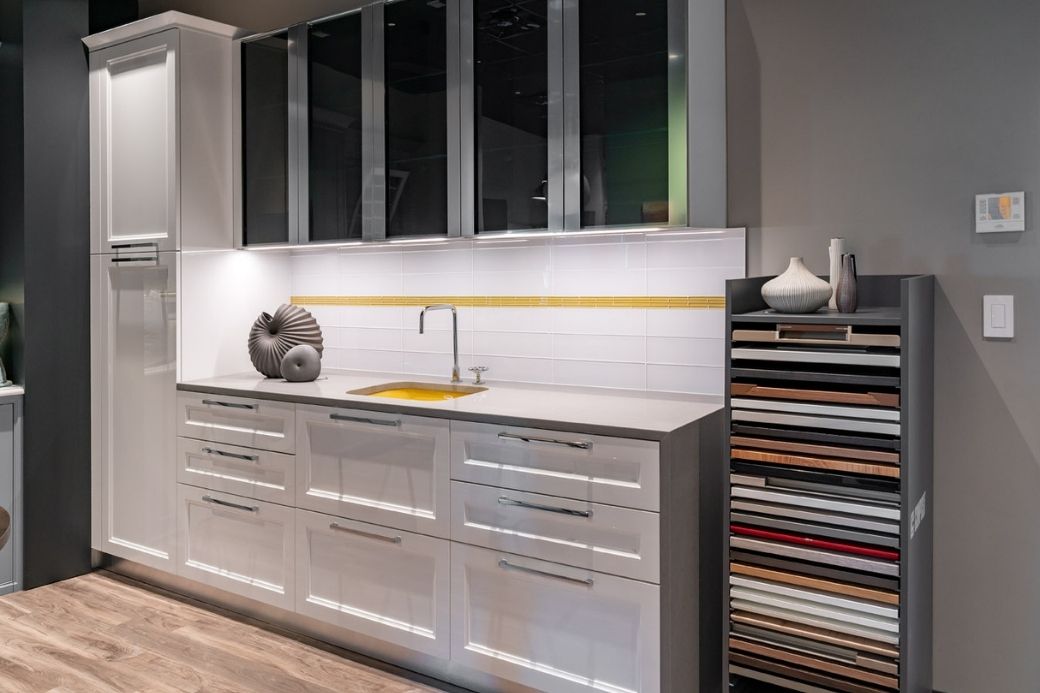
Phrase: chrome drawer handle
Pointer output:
(228, 504)
(233, 455)
(503, 500)
(232, 405)
(578, 444)
(125, 246)
(361, 419)
(506, 565)
(361, 533)
(120, 260)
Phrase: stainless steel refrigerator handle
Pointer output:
(361, 533)
(234, 455)
(227, 504)
(504, 500)
(232, 405)
(361, 419)
(578, 444)
(506, 565)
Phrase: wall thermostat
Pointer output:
(1000, 212)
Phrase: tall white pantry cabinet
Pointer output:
(160, 183)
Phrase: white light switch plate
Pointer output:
(998, 317)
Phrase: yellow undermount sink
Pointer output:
(419, 392)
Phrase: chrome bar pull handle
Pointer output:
(506, 565)
(504, 500)
(364, 420)
(396, 539)
(233, 455)
(228, 504)
(577, 444)
(231, 405)
(121, 260)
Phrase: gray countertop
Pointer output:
(647, 415)
(11, 392)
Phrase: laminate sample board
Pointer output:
(830, 458)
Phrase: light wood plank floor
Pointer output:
(103, 632)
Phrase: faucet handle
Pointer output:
(477, 371)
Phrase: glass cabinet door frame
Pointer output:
(293, 182)
(679, 192)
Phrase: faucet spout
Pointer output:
(455, 376)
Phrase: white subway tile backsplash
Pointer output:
(452, 284)
(602, 321)
(691, 281)
(526, 344)
(689, 379)
(599, 347)
(599, 283)
(680, 322)
(511, 283)
(630, 376)
(357, 261)
(512, 320)
(678, 350)
(684, 351)
(372, 360)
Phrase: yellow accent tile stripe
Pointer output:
(519, 301)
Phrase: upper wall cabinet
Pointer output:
(412, 118)
(160, 135)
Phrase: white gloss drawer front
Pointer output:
(604, 538)
(261, 474)
(241, 545)
(600, 469)
(251, 423)
(381, 582)
(552, 627)
(387, 469)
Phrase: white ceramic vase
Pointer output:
(797, 290)
(836, 249)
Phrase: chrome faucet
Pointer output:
(455, 378)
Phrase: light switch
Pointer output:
(998, 317)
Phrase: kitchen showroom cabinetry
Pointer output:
(160, 132)
(542, 580)
(414, 118)
(160, 135)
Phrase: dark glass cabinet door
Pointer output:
(335, 128)
(510, 68)
(416, 93)
(265, 140)
(624, 77)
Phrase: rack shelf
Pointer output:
(829, 520)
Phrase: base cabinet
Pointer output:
(241, 545)
(386, 469)
(384, 583)
(552, 627)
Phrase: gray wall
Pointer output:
(878, 120)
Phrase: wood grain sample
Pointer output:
(882, 399)
(883, 596)
(798, 674)
(760, 649)
(819, 634)
(860, 454)
(829, 463)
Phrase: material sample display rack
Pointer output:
(830, 493)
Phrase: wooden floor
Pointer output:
(102, 632)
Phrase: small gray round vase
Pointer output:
(301, 364)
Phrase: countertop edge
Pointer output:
(395, 408)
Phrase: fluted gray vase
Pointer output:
(273, 336)
(847, 299)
